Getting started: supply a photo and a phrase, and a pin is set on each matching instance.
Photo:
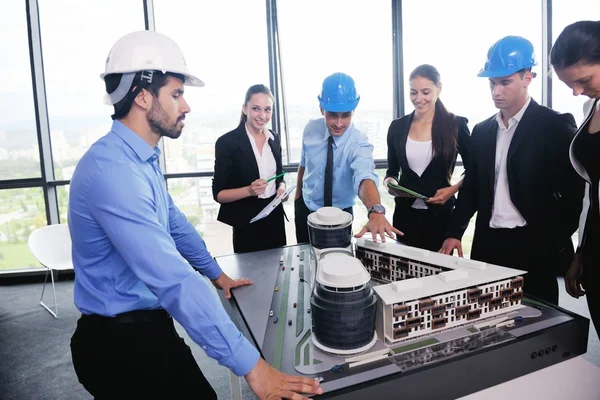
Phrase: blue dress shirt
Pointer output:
(132, 248)
(352, 163)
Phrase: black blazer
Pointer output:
(435, 175)
(543, 185)
(235, 167)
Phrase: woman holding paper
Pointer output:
(249, 176)
(422, 151)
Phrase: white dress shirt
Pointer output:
(419, 155)
(267, 168)
(504, 212)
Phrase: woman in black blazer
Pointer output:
(245, 159)
(575, 57)
(422, 148)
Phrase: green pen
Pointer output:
(276, 176)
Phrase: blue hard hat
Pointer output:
(507, 56)
(338, 93)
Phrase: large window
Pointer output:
(456, 43)
(19, 153)
(76, 38)
(21, 212)
(319, 38)
(564, 13)
(225, 45)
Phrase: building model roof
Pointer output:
(461, 273)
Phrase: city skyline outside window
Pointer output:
(461, 52)
(234, 58)
(19, 151)
(350, 36)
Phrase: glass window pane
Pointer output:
(75, 50)
(21, 212)
(317, 44)
(460, 52)
(63, 202)
(225, 45)
(194, 198)
(19, 152)
(563, 14)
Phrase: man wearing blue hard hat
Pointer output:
(336, 163)
(520, 182)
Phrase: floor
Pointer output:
(35, 360)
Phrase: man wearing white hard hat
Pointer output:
(136, 256)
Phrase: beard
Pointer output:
(159, 122)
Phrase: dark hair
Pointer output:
(577, 43)
(444, 131)
(254, 89)
(124, 105)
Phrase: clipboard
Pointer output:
(400, 190)
(272, 205)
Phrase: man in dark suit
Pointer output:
(520, 181)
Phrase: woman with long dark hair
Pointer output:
(245, 159)
(422, 151)
(575, 58)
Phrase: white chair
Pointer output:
(51, 246)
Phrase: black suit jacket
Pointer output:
(235, 167)
(435, 175)
(543, 185)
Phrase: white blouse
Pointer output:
(418, 155)
(267, 168)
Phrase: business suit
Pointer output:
(422, 228)
(544, 188)
(236, 167)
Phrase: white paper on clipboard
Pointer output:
(272, 205)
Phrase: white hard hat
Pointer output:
(147, 51)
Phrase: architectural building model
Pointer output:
(421, 292)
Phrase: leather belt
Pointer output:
(132, 317)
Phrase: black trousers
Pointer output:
(591, 280)
(137, 355)
(301, 213)
(519, 248)
(421, 228)
(267, 233)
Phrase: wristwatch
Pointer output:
(377, 209)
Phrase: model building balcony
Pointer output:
(438, 323)
(484, 298)
(517, 296)
(412, 322)
(400, 310)
(462, 310)
(426, 304)
(473, 294)
(439, 309)
(401, 332)
(474, 314)
(506, 292)
(496, 302)
(516, 282)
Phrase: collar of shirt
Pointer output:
(143, 150)
(338, 140)
(515, 119)
(266, 132)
